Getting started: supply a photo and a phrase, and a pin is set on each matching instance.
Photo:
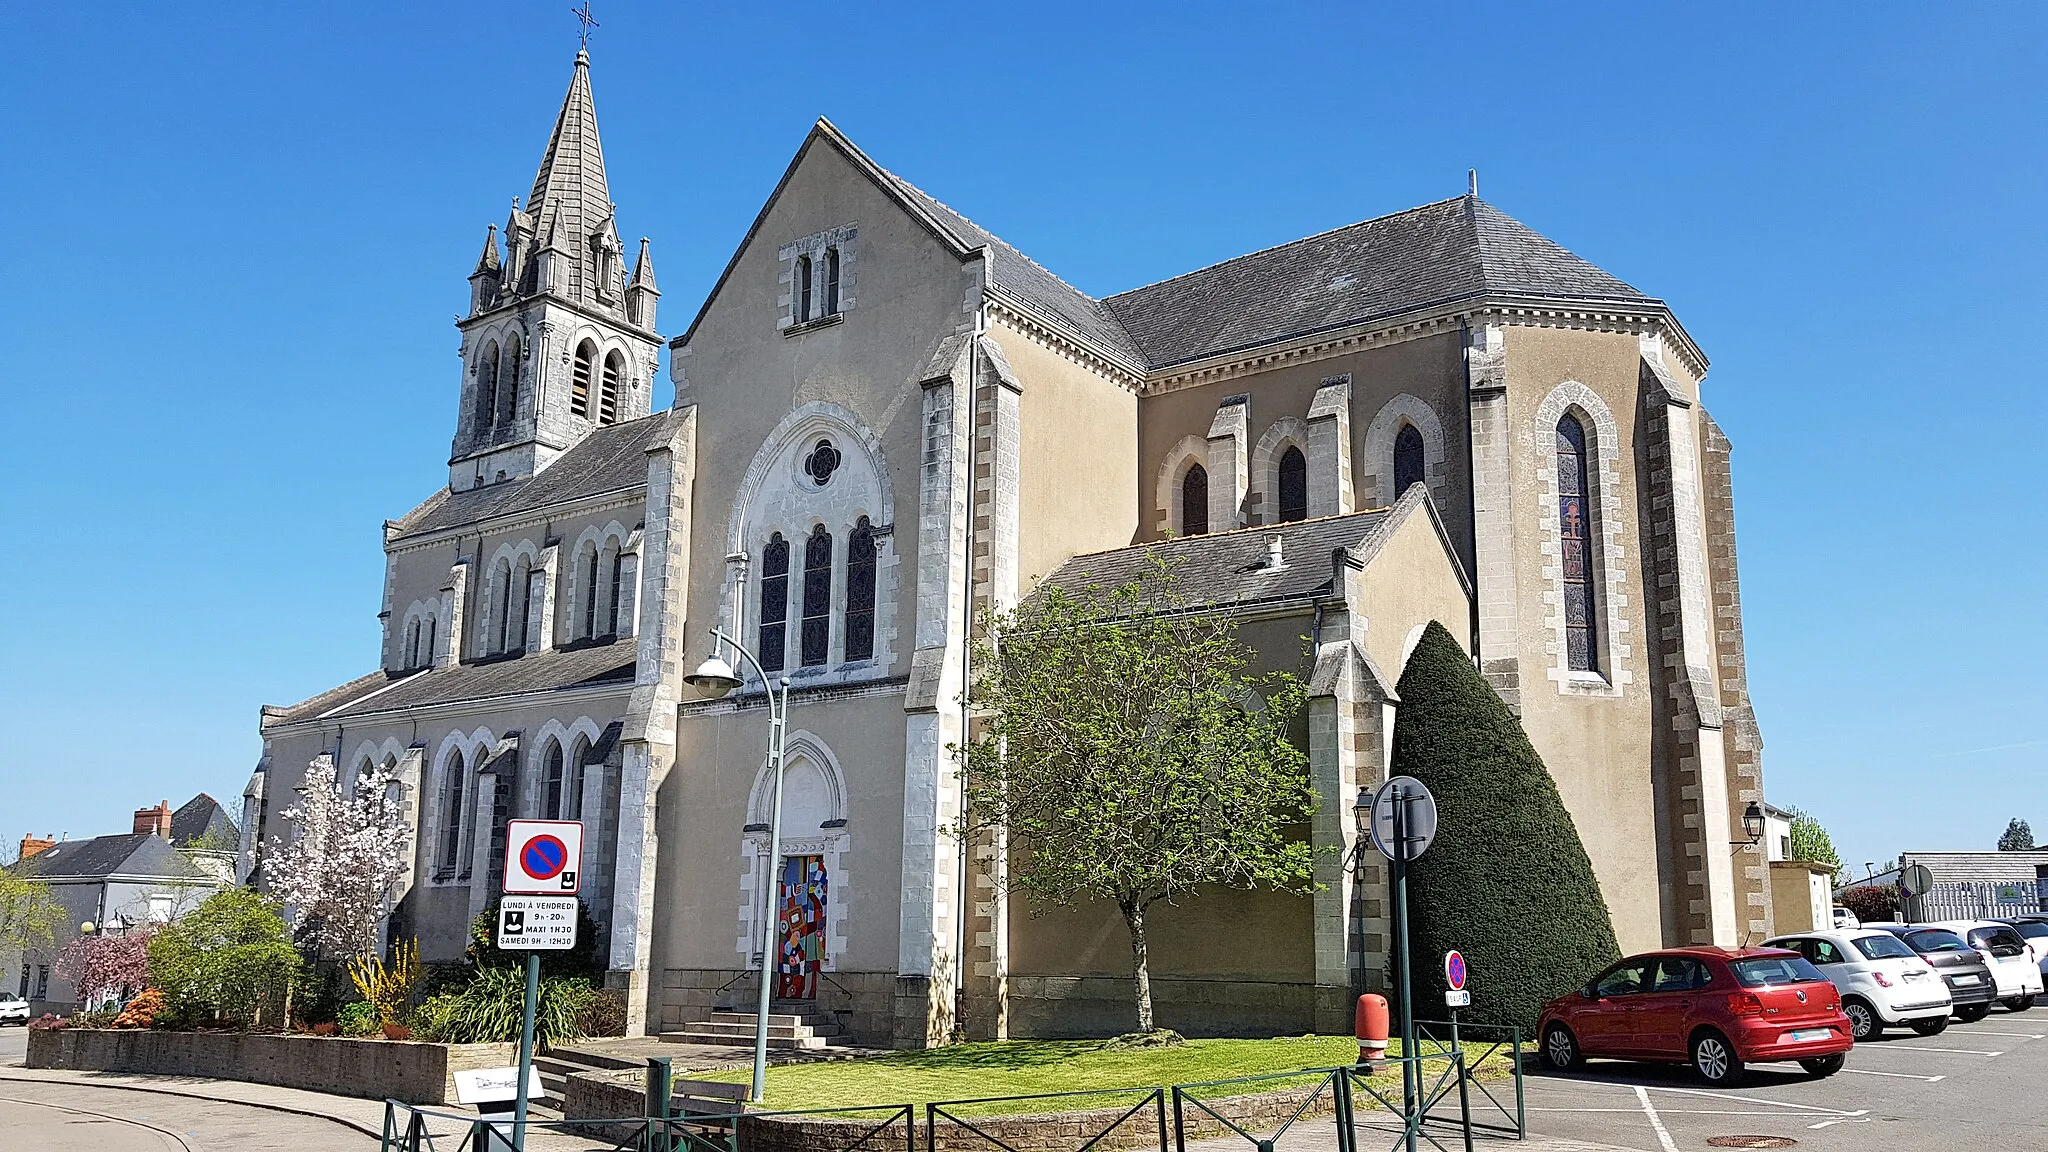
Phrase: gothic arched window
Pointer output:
(451, 811)
(412, 644)
(586, 571)
(608, 389)
(774, 639)
(618, 580)
(501, 579)
(553, 782)
(860, 591)
(579, 379)
(1194, 501)
(487, 387)
(817, 622)
(572, 779)
(1293, 485)
(1576, 547)
(803, 289)
(1408, 459)
(508, 382)
(832, 281)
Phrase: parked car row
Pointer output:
(1807, 996)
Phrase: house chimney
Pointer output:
(156, 821)
(30, 845)
(1275, 555)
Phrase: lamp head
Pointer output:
(1753, 822)
(1362, 811)
(713, 678)
(85, 928)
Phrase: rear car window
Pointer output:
(1884, 947)
(1770, 971)
(2000, 941)
(2032, 929)
(1936, 940)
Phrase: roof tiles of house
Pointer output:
(1231, 568)
(127, 854)
(1981, 867)
(202, 816)
(583, 666)
(1434, 254)
(610, 459)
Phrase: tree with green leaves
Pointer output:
(1507, 881)
(1810, 842)
(2018, 837)
(29, 915)
(1130, 757)
(230, 960)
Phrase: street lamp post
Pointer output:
(713, 679)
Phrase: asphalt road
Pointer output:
(81, 1118)
(1973, 1086)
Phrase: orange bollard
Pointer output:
(1370, 1023)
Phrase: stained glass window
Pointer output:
(451, 812)
(551, 784)
(618, 585)
(817, 637)
(860, 591)
(1407, 459)
(832, 281)
(1582, 650)
(1194, 501)
(774, 603)
(590, 591)
(1293, 485)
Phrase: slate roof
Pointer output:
(199, 816)
(1231, 567)
(610, 459)
(570, 202)
(129, 854)
(1434, 254)
(552, 671)
(1980, 867)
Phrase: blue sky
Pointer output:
(236, 236)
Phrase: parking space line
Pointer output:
(1757, 1100)
(1917, 1048)
(1896, 1075)
(2019, 1035)
(1663, 1135)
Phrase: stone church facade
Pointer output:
(887, 420)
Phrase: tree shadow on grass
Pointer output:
(991, 1057)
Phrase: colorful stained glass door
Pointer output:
(801, 925)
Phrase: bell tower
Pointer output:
(559, 341)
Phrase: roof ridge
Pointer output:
(1021, 254)
(1287, 244)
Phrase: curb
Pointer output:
(7, 1075)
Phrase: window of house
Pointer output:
(451, 812)
(1576, 546)
(552, 782)
(160, 909)
(1293, 485)
(608, 389)
(42, 982)
(803, 289)
(774, 603)
(487, 387)
(1194, 501)
(832, 281)
(817, 622)
(579, 379)
(1408, 459)
(860, 591)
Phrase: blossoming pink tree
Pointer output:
(346, 856)
(107, 966)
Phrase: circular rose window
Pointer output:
(822, 462)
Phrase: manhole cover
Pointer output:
(1752, 1142)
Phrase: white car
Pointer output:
(1882, 981)
(13, 1009)
(1845, 918)
(2014, 962)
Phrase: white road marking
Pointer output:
(1663, 1136)
(1896, 1075)
(1842, 1120)
(1950, 1051)
(1757, 1100)
(2019, 1035)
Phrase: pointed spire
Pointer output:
(488, 263)
(643, 267)
(570, 187)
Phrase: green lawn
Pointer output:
(1027, 1067)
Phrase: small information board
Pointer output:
(537, 923)
(495, 1085)
(543, 857)
(1457, 998)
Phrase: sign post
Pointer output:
(543, 863)
(1403, 827)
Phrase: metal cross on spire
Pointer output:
(583, 17)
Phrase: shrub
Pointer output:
(582, 960)
(431, 1019)
(388, 987)
(603, 1013)
(322, 991)
(143, 1011)
(1507, 882)
(357, 1019)
(1871, 903)
(489, 1010)
(228, 961)
(47, 1023)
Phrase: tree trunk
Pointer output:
(1134, 919)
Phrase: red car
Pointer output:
(1717, 1009)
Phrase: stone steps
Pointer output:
(801, 1029)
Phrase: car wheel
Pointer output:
(1971, 1013)
(1561, 1048)
(1931, 1025)
(1714, 1058)
(1822, 1067)
(2019, 1003)
(1864, 1022)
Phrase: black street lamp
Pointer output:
(1752, 824)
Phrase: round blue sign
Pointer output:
(544, 857)
(1454, 970)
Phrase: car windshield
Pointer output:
(1880, 946)
(1770, 971)
(1936, 940)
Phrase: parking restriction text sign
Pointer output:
(537, 923)
(543, 857)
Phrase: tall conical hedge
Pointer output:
(1507, 881)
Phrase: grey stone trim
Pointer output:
(1262, 505)
(1330, 487)
(1377, 484)
(1229, 463)
(1493, 514)
(1172, 470)
(453, 600)
(814, 246)
(1610, 596)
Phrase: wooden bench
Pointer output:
(707, 1103)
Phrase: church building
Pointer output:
(887, 420)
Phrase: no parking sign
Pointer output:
(543, 857)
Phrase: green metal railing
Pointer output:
(1497, 1042)
(941, 1113)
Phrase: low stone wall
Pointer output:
(416, 1073)
(618, 1096)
